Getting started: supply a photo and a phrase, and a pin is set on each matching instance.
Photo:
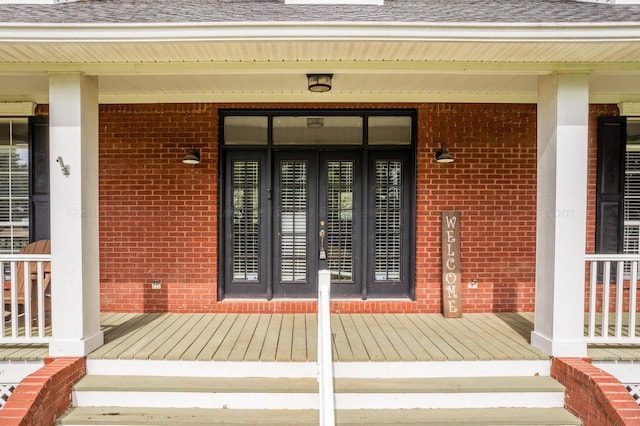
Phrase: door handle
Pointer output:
(323, 253)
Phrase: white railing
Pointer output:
(24, 318)
(325, 354)
(612, 297)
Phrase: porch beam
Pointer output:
(563, 104)
(75, 288)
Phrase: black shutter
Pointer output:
(612, 137)
(39, 180)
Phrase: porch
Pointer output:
(292, 337)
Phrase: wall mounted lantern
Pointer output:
(319, 82)
(443, 156)
(192, 157)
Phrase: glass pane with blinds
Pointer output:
(245, 130)
(339, 239)
(389, 130)
(14, 185)
(317, 130)
(632, 200)
(246, 220)
(293, 221)
(632, 185)
(631, 238)
(388, 214)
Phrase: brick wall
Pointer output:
(492, 182)
(159, 217)
(43, 395)
(593, 395)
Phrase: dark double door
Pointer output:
(291, 213)
(317, 208)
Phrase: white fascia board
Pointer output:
(296, 31)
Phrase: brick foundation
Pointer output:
(44, 395)
(593, 395)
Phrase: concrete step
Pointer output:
(301, 393)
(118, 416)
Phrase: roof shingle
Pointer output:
(409, 11)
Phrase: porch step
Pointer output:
(118, 416)
(301, 393)
(152, 400)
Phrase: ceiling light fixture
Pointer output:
(319, 82)
(315, 122)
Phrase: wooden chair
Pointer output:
(37, 247)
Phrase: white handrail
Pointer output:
(325, 355)
(602, 289)
(28, 325)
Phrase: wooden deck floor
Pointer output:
(292, 337)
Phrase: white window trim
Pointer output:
(17, 109)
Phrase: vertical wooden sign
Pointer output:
(451, 276)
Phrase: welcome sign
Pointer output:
(451, 276)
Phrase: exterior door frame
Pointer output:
(368, 285)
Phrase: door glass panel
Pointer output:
(241, 130)
(389, 130)
(246, 209)
(293, 221)
(317, 130)
(340, 182)
(388, 213)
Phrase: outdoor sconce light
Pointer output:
(192, 157)
(319, 82)
(443, 156)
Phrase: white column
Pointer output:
(75, 273)
(563, 113)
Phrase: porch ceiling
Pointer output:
(458, 70)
